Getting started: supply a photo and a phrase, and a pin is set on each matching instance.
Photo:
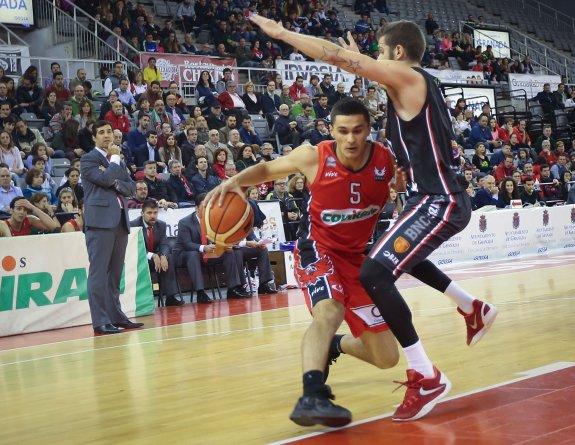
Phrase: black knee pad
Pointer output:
(428, 273)
(374, 275)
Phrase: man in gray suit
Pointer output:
(189, 250)
(106, 184)
(159, 251)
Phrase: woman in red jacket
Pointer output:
(220, 160)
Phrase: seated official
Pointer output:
(190, 249)
(487, 195)
(530, 196)
(252, 248)
(159, 253)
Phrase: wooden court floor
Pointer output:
(230, 373)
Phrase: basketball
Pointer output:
(230, 223)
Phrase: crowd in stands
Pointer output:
(502, 163)
(230, 34)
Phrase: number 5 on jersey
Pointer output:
(355, 196)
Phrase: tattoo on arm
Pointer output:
(332, 56)
(353, 66)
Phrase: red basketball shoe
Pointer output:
(422, 395)
(479, 321)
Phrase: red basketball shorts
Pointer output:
(325, 274)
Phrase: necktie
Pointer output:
(108, 157)
(150, 243)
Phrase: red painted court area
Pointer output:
(536, 410)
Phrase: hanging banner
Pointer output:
(272, 228)
(44, 286)
(186, 68)
(510, 233)
(289, 70)
(499, 40)
(14, 59)
(531, 83)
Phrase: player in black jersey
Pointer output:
(437, 208)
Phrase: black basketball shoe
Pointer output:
(319, 409)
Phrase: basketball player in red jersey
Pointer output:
(349, 185)
(421, 135)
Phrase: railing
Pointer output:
(559, 17)
(88, 35)
(11, 37)
(550, 57)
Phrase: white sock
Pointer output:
(462, 298)
(417, 359)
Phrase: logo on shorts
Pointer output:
(316, 290)
(330, 161)
(369, 314)
(516, 220)
(379, 174)
(401, 245)
(314, 271)
(546, 218)
(482, 223)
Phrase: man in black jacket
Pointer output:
(190, 249)
(270, 103)
(159, 253)
(180, 185)
(29, 97)
(149, 151)
(216, 119)
(157, 188)
(286, 128)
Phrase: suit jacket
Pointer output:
(141, 155)
(189, 234)
(178, 187)
(270, 105)
(161, 244)
(484, 198)
(99, 177)
(215, 122)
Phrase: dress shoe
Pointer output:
(203, 297)
(266, 289)
(238, 292)
(172, 300)
(128, 324)
(107, 329)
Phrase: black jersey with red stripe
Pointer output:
(423, 145)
